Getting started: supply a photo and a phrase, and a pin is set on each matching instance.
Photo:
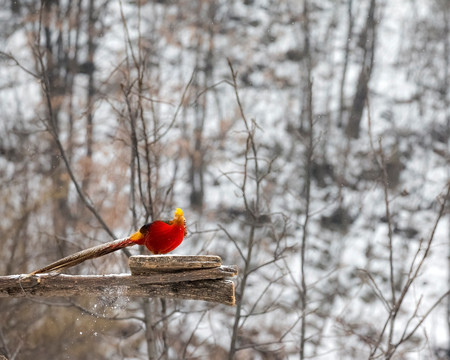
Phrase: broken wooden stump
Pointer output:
(193, 277)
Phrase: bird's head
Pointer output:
(178, 218)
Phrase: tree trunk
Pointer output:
(367, 40)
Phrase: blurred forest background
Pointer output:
(306, 141)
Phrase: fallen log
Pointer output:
(201, 277)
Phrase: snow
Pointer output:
(256, 39)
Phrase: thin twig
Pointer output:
(308, 167)
(253, 211)
(424, 317)
(389, 220)
(238, 248)
(377, 290)
(11, 57)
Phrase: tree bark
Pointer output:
(200, 284)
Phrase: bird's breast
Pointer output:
(162, 238)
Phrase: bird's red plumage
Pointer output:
(162, 237)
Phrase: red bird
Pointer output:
(160, 237)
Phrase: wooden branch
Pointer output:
(177, 277)
(220, 291)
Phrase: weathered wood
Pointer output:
(144, 264)
(46, 285)
(218, 291)
(205, 284)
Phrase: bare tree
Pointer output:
(115, 112)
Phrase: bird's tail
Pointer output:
(91, 253)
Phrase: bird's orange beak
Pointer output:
(137, 236)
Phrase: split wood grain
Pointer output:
(147, 264)
(195, 277)
(60, 285)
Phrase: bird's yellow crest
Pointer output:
(178, 212)
(179, 217)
